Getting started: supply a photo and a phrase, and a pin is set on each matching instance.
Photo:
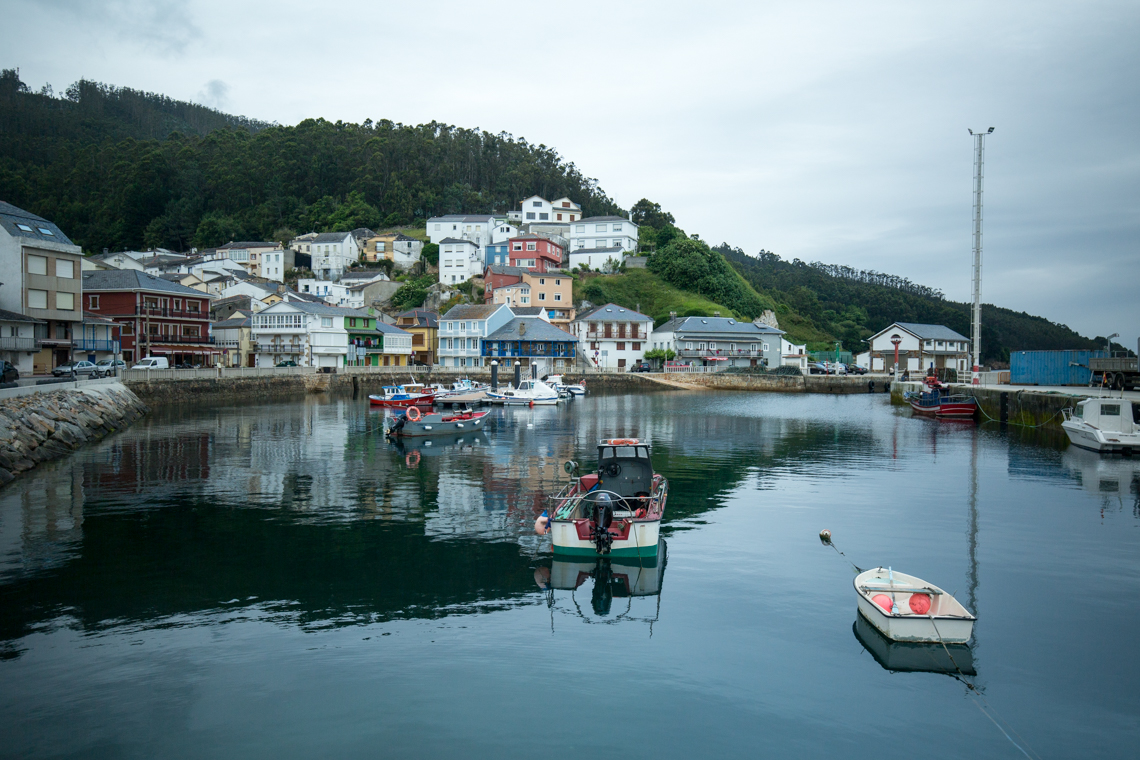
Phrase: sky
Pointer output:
(824, 131)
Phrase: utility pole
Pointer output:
(979, 151)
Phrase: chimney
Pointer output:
(522, 329)
(716, 313)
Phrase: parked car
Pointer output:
(77, 368)
(8, 373)
(640, 367)
(855, 369)
(287, 364)
(110, 366)
(815, 368)
(153, 362)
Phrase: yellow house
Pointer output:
(393, 246)
(424, 327)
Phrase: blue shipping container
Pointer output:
(1051, 367)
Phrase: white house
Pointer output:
(332, 253)
(612, 336)
(476, 228)
(459, 260)
(604, 232)
(121, 260)
(513, 295)
(503, 232)
(462, 329)
(792, 355)
(920, 347)
(18, 340)
(258, 258)
(538, 209)
(595, 258)
(397, 342)
(721, 342)
(252, 289)
(310, 334)
(344, 292)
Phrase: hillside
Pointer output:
(852, 305)
(642, 290)
(121, 169)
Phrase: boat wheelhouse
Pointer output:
(1104, 425)
(412, 394)
(528, 392)
(615, 511)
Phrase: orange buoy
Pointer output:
(883, 601)
(920, 603)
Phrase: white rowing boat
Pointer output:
(905, 608)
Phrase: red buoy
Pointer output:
(920, 603)
(883, 601)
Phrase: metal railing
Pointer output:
(158, 311)
(93, 344)
(212, 373)
(702, 353)
(18, 344)
(182, 340)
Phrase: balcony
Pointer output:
(179, 340)
(704, 353)
(18, 344)
(614, 336)
(277, 347)
(148, 311)
(95, 344)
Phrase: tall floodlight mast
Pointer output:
(979, 151)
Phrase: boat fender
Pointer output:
(412, 459)
(542, 524)
(883, 601)
(414, 414)
(920, 603)
(825, 536)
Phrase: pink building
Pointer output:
(535, 253)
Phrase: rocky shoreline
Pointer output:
(44, 426)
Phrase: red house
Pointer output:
(534, 252)
(157, 317)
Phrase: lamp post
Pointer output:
(896, 339)
(979, 155)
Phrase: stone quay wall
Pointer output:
(1012, 406)
(43, 426)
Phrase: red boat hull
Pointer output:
(958, 410)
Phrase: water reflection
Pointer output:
(908, 657)
(610, 580)
(1114, 480)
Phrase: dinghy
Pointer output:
(905, 608)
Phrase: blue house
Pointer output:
(497, 253)
(531, 340)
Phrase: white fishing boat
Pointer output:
(460, 387)
(557, 382)
(613, 512)
(529, 392)
(905, 608)
(1104, 425)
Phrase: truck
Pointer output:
(1117, 372)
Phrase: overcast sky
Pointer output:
(830, 131)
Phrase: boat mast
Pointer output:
(979, 150)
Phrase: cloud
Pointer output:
(215, 94)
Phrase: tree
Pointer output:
(648, 214)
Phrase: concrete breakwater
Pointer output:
(43, 426)
(1018, 407)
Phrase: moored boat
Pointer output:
(615, 511)
(413, 422)
(557, 382)
(936, 399)
(528, 392)
(412, 394)
(1104, 425)
(905, 608)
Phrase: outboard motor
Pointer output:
(398, 424)
(603, 517)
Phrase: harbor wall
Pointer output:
(1013, 406)
(39, 427)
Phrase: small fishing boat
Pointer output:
(905, 608)
(413, 422)
(412, 394)
(614, 512)
(574, 389)
(936, 399)
(460, 387)
(1104, 425)
(529, 392)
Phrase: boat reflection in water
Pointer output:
(909, 657)
(622, 579)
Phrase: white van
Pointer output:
(153, 362)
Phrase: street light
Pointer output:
(896, 339)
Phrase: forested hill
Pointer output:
(122, 169)
(854, 304)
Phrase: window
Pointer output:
(517, 246)
(557, 296)
(93, 302)
(526, 299)
(731, 346)
(326, 321)
(37, 265)
(579, 228)
(531, 247)
(37, 299)
(712, 346)
(127, 328)
(559, 219)
(24, 227)
(542, 296)
(1110, 410)
(65, 268)
(45, 231)
(617, 228)
(541, 280)
(177, 303)
(635, 346)
(544, 216)
(621, 346)
(536, 204)
(352, 322)
(530, 215)
(437, 228)
(65, 301)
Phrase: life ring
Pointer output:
(623, 442)
(412, 459)
(416, 416)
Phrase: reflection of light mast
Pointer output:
(972, 531)
(979, 142)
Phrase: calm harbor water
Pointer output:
(278, 581)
